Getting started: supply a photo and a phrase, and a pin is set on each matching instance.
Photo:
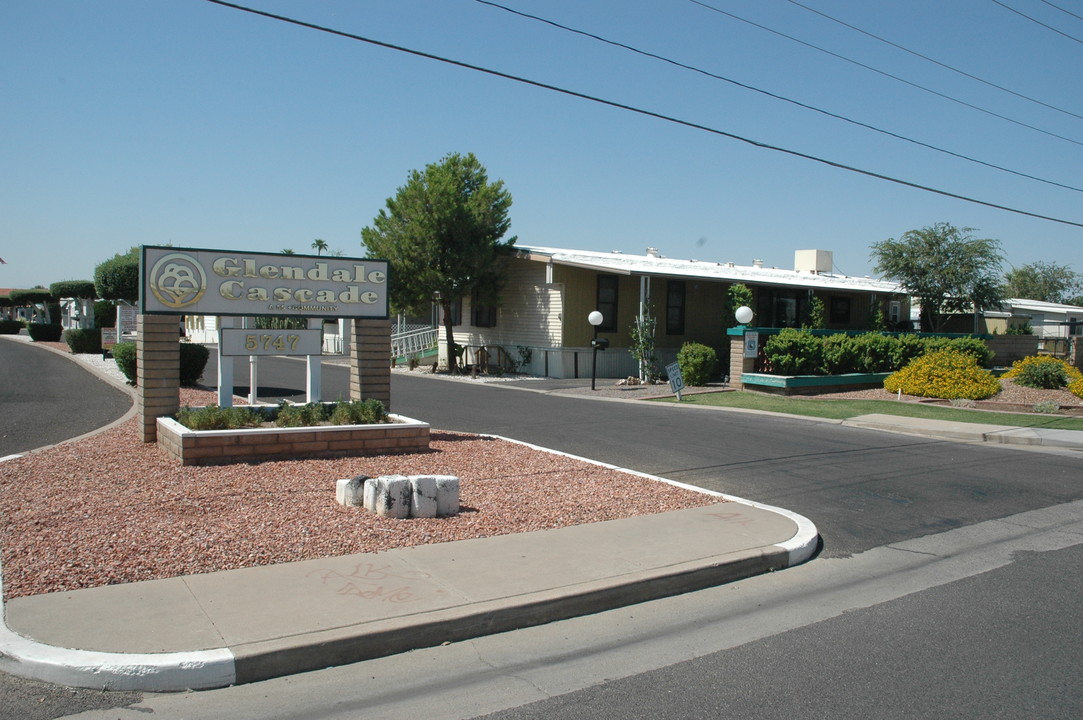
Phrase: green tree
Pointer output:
(287, 251)
(738, 295)
(441, 233)
(319, 246)
(642, 347)
(815, 314)
(38, 298)
(1048, 282)
(946, 269)
(118, 277)
(82, 291)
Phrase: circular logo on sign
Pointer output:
(177, 280)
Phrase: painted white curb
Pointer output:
(801, 546)
(154, 672)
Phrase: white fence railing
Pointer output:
(413, 342)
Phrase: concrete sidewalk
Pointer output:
(240, 626)
(971, 432)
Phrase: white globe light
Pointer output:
(595, 318)
(743, 314)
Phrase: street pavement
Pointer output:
(241, 626)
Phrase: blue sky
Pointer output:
(126, 122)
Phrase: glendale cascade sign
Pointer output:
(188, 281)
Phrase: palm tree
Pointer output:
(319, 246)
(287, 251)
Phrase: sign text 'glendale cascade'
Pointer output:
(189, 281)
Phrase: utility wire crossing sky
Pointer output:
(266, 125)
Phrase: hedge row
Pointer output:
(800, 352)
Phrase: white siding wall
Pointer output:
(530, 315)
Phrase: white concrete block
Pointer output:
(370, 493)
(349, 491)
(447, 495)
(393, 496)
(423, 500)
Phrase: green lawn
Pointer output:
(843, 409)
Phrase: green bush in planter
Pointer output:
(84, 341)
(697, 363)
(874, 353)
(974, 347)
(841, 354)
(45, 333)
(906, 348)
(10, 327)
(794, 352)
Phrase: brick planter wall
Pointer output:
(221, 447)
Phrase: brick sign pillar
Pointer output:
(158, 357)
(370, 360)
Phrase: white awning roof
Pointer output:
(654, 265)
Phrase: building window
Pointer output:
(456, 312)
(484, 315)
(840, 310)
(675, 307)
(894, 312)
(608, 286)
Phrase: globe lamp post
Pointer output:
(595, 319)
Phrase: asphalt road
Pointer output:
(925, 601)
(47, 398)
(862, 488)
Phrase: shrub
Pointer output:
(10, 327)
(213, 417)
(873, 352)
(125, 357)
(300, 415)
(193, 359)
(1048, 376)
(359, 412)
(697, 363)
(83, 341)
(793, 352)
(975, 347)
(840, 354)
(1076, 388)
(45, 332)
(906, 348)
(944, 374)
(1044, 371)
(1049, 407)
(105, 314)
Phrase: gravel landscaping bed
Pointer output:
(111, 509)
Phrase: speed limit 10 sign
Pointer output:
(253, 341)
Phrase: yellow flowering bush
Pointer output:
(945, 374)
(1030, 364)
(1076, 387)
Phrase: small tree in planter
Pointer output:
(642, 347)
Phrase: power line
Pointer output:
(773, 95)
(1038, 22)
(932, 60)
(1066, 12)
(633, 109)
(884, 73)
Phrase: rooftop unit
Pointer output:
(813, 261)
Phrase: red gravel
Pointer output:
(111, 509)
